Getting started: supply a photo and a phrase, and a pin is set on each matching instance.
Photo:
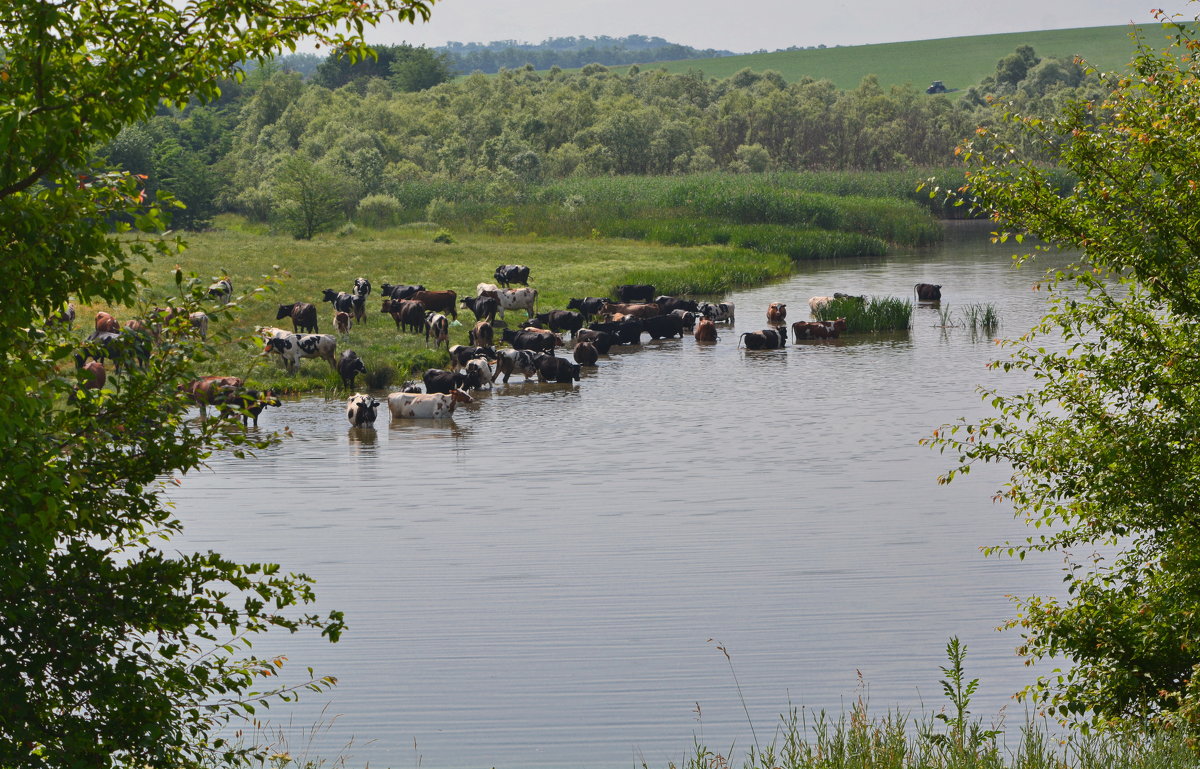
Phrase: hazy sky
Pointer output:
(748, 25)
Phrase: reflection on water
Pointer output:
(535, 581)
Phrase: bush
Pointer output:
(443, 236)
(378, 211)
(440, 210)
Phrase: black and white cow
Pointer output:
(509, 362)
(718, 313)
(507, 274)
(461, 353)
(361, 410)
(222, 290)
(362, 287)
(341, 301)
(484, 307)
(399, 291)
(589, 306)
(479, 373)
(296, 347)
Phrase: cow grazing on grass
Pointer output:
(296, 347)
(426, 405)
(361, 410)
(399, 292)
(222, 290)
(483, 307)
(927, 292)
(409, 314)
(303, 315)
(439, 301)
(515, 299)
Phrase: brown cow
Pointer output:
(107, 324)
(585, 354)
(817, 329)
(341, 321)
(439, 301)
(481, 334)
(706, 331)
(633, 310)
(210, 390)
(776, 314)
(557, 339)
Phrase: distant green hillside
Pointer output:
(959, 62)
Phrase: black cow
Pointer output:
(627, 331)
(439, 381)
(554, 369)
(528, 340)
(767, 339)
(341, 301)
(601, 339)
(662, 326)
(507, 274)
(927, 292)
(399, 292)
(585, 354)
(484, 307)
(590, 306)
(303, 315)
(561, 320)
(350, 364)
(671, 303)
(636, 292)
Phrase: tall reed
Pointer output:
(885, 313)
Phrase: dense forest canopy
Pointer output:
(380, 125)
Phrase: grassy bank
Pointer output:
(560, 269)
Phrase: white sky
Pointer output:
(748, 25)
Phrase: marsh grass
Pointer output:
(875, 314)
(980, 317)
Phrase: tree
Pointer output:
(308, 196)
(1103, 449)
(416, 69)
(112, 649)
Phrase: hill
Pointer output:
(960, 62)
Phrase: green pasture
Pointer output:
(297, 271)
(959, 62)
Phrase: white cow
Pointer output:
(818, 303)
(361, 410)
(480, 368)
(516, 299)
(200, 323)
(425, 405)
(295, 347)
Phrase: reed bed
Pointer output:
(980, 317)
(875, 314)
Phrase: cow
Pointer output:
(669, 304)
(349, 364)
(409, 314)
(461, 353)
(585, 354)
(706, 331)
(440, 381)
(602, 340)
(360, 309)
(199, 322)
(507, 274)
(96, 376)
(399, 291)
(426, 405)
(515, 299)
(812, 330)
(361, 410)
(341, 300)
(561, 320)
(248, 404)
(296, 347)
(479, 373)
(634, 292)
(362, 287)
(222, 290)
(663, 326)
(767, 339)
(341, 321)
(648, 310)
(528, 340)
(861, 299)
(589, 306)
(818, 303)
(688, 318)
(510, 361)
(122, 348)
(558, 340)
(439, 301)
(927, 292)
(481, 333)
(65, 317)
(483, 307)
(107, 324)
(303, 315)
(486, 288)
(776, 314)
(210, 390)
(718, 313)
(622, 332)
(438, 327)
(554, 369)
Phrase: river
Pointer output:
(544, 581)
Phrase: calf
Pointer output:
(341, 301)
(634, 292)
(438, 327)
(706, 331)
(349, 365)
(510, 361)
(303, 315)
(222, 290)
(589, 306)
(602, 340)
(515, 299)
(663, 326)
(554, 369)
(585, 354)
(341, 322)
(439, 301)
(399, 292)
(507, 274)
(426, 405)
(927, 292)
(528, 340)
(561, 320)
(776, 314)
(361, 410)
(481, 333)
(296, 347)
(767, 339)
(483, 307)
(440, 381)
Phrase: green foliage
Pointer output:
(877, 313)
(308, 197)
(443, 236)
(114, 648)
(378, 211)
(1102, 449)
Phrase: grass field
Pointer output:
(560, 269)
(959, 62)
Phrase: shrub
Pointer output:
(378, 211)
(443, 236)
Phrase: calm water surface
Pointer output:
(543, 581)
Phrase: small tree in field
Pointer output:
(309, 197)
(114, 649)
(1105, 449)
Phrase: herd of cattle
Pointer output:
(595, 325)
